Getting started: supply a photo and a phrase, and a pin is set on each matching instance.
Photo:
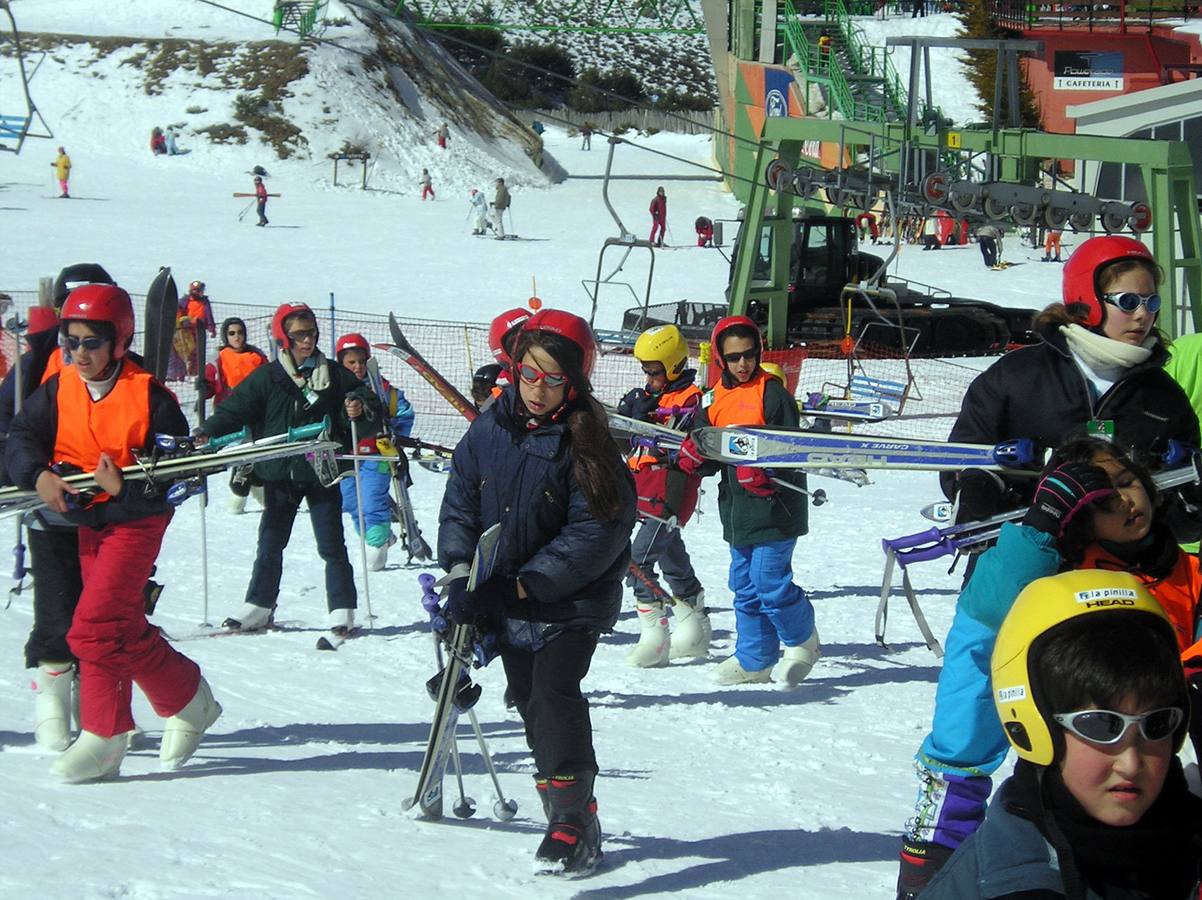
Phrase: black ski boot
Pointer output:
(572, 844)
(920, 860)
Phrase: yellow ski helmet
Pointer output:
(1043, 607)
(775, 370)
(663, 344)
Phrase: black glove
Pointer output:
(638, 404)
(1063, 493)
(978, 496)
(466, 607)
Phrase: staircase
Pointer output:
(858, 80)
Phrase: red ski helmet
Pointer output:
(1080, 280)
(102, 303)
(283, 311)
(352, 341)
(196, 288)
(502, 328)
(571, 326)
(725, 324)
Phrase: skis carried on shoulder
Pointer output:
(808, 449)
(452, 689)
(401, 348)
(176, 464)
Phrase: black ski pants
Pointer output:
(545, 687)
(281, 500)
(655, 543)
(57, 583)
(988, 250)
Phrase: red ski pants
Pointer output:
(115, 644)
(426, 189)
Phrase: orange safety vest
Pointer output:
(54, 364)
(742, 404)
(117, 424)
(235, 366)
(1177, 593)
(642, 457)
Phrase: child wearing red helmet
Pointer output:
(94, 415)
(540, 461)
(760, 522)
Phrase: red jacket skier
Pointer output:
(659, 216)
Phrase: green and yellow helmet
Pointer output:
(663, 344)
(1044, 607)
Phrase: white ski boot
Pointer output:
(654, 646)
(236, 504)
(250, 618)
(52, 705)
(90, 758)
(693, 630)
(729, 671)
(183, 731)
(342, 621)
(796, 662)
(377, 558)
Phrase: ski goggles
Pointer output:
(1129, 301)
(91, 344)
(531, 375)
(1104, 726)
(302, 334)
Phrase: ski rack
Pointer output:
(627, 240)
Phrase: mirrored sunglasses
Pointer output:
(735, 358)
(91, 344)
(1129, 301)
(531, 375)
(1104, 726)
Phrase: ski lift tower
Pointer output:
(15, 128)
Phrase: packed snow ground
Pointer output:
(714, 792)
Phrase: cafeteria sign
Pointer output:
(1088, 70)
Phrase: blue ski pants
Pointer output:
(770, 609)
(375, 481)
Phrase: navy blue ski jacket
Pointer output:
(570, 564)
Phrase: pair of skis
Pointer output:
(454, 692)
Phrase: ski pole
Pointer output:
(818, 497)
(503, 809)
(466, 806)
(249, 206)
(362, 524)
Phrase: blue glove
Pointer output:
(638, 404)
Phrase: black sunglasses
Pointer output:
(733, 358)
(1129, 301)
(91, 344)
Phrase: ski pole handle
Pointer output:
(1018, 453)
(429, 598)
(912, 540)
(921, 554)
(305, 432)
(234, 437)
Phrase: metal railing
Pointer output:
(1115, 15)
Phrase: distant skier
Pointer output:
(158, 143)
(1051, 245)
(989, 238)
(500, 203)
(443, 134)
(479, 212)
(705, 231)
(172, 149)
(375, 477)
(659, 216)
(586, 136)
(261, 200)
(427, 186)
(62, 171)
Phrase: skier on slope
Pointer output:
(666, 500)
(261, 200)
(541, 462)
(94, 414)
(760, 521)
(659, 217)
(500, 203)
(1098, 366)
(375, 477)
(1094, 509)
(62, 171)
(301, 387)
(235, 360)
(479, 212)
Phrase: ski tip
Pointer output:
(323, 643)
